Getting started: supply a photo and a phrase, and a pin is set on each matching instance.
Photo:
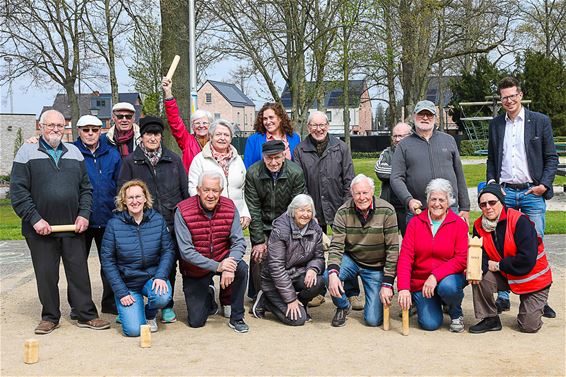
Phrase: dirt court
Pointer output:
(271, 348)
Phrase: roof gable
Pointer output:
(231, 93)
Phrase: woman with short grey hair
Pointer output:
(299, 201)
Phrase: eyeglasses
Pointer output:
(136, 197)
(512, 97)
(425, 115)
(200, 123)
(400, 136)
(491, 203)
(122, 116)
(87, 130)
(52, 126)
(320, 126)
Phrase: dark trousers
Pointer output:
(46, 254)
(278, 307)
(255, 273)
(199, 300)
(173, 273)
(108, 305)
(401, 213)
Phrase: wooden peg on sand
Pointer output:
(31, 351)
(405, 322)
(145, 336)
(386, 318)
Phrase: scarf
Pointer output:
(320, 145)
(122, 138)
(489, 225)
(153, 156)
(223, 159)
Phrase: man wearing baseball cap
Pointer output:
(124, 134)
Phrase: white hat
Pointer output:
(89, 120)
(124, 106)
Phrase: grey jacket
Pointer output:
(383, 171)
(327, 177)
(417, 161)
(291, 254)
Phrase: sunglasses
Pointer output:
(122, 116)
(491, 203)
(93, 130)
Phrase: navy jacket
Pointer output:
(103, 167)
(132, 254)
(542, 158)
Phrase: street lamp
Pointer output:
(9, 60)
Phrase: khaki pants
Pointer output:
(530, 309)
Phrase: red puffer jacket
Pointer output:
(187, 142)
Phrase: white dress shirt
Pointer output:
(514, 167)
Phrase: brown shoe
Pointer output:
(317, 301)
(95, 324)
(357, 302)
(45, 327)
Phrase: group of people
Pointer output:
(151, 211)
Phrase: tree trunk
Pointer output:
(74, 103)
(111, 53)
(390, 65)
(346, 86)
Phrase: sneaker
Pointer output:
(356, 302)
(118, 320)
(214, 308)
(457, 324)
(317, 301)
(339, 319)
(45, 327)
(168, 315)
(226, 311)
(152, 324)
(486, 324)
(94, 324)
(548, 312)
(258, 308)
(239, 326)
(502, 305)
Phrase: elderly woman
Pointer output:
(291, 275)
(272, 123)
(432, 260)
(190, 145)
(137, 256)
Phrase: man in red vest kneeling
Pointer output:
(513, 258)
(211, 242)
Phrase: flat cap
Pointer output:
(89, 120)
(273, 147)
(123, 106)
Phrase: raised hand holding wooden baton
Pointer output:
(173, 67)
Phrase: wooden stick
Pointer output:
(31, 351)
(405, 322)
(386, 318)
(63, 228)
(145, 336)
(173, 67)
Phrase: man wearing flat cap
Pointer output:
(271, 184)
(124, 134)
(423, 156)
(513, 259)
(163, 172)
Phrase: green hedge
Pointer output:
(359, 155)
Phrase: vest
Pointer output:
(211, 237)
(540, 276)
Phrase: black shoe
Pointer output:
(258, 308)
(502, 305)
(214, 305)
(486, 324)
(339, 319)
(74, 316)
(548, 312)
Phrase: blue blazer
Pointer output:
(252, 152)
(542, 158)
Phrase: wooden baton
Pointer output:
(145, 336)
(405, 322)
(63, 228)
(386, 318)
(173, 67)
(31, 351)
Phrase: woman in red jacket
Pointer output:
(432, 260)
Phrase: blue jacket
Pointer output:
(252, 152)
(132, 254)
(103, 168)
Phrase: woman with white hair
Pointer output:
(190, 145)
(432, 260)
(292, 272)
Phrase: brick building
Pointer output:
(10, 126)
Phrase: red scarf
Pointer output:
(122, 138)
(223, 159)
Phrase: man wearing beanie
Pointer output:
(163, 172)
(513, 259)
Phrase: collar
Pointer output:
(266, 173)
(48, 147)
(371, 208)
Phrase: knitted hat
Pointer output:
(151, 124)
(495, 189)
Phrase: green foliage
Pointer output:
(18, 141)
(469, 147)
(373, 155)
(151, 104)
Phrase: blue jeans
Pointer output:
(135, 315)
(371, 279)
(450, 290)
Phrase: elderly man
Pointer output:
(522, 158)
(365, 243)
(190, 145)
(124, 134)
(103, 166)
(271, 184)
(383, 172)
(163, 172)
(211, 242)
(50, 186)
(327, 165)
(423, 156)
(513, 258)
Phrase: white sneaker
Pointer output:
(152, 324)
(457, 324)
(226, 311)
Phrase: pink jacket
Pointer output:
(422, 254)
(187, 142)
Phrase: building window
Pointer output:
(216, 116)
(100, 103)
(208, 97)
(329, 116)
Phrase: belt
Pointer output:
(516, 186)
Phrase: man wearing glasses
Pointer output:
(522, 158)
(124, 134)
(423, 156)
(50, 186)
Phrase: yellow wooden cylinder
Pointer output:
(405, 322)
(473, 268)
(386, 318)
(31, 351)
(145, 336)
(63, 228)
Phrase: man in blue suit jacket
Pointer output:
(522, 158)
